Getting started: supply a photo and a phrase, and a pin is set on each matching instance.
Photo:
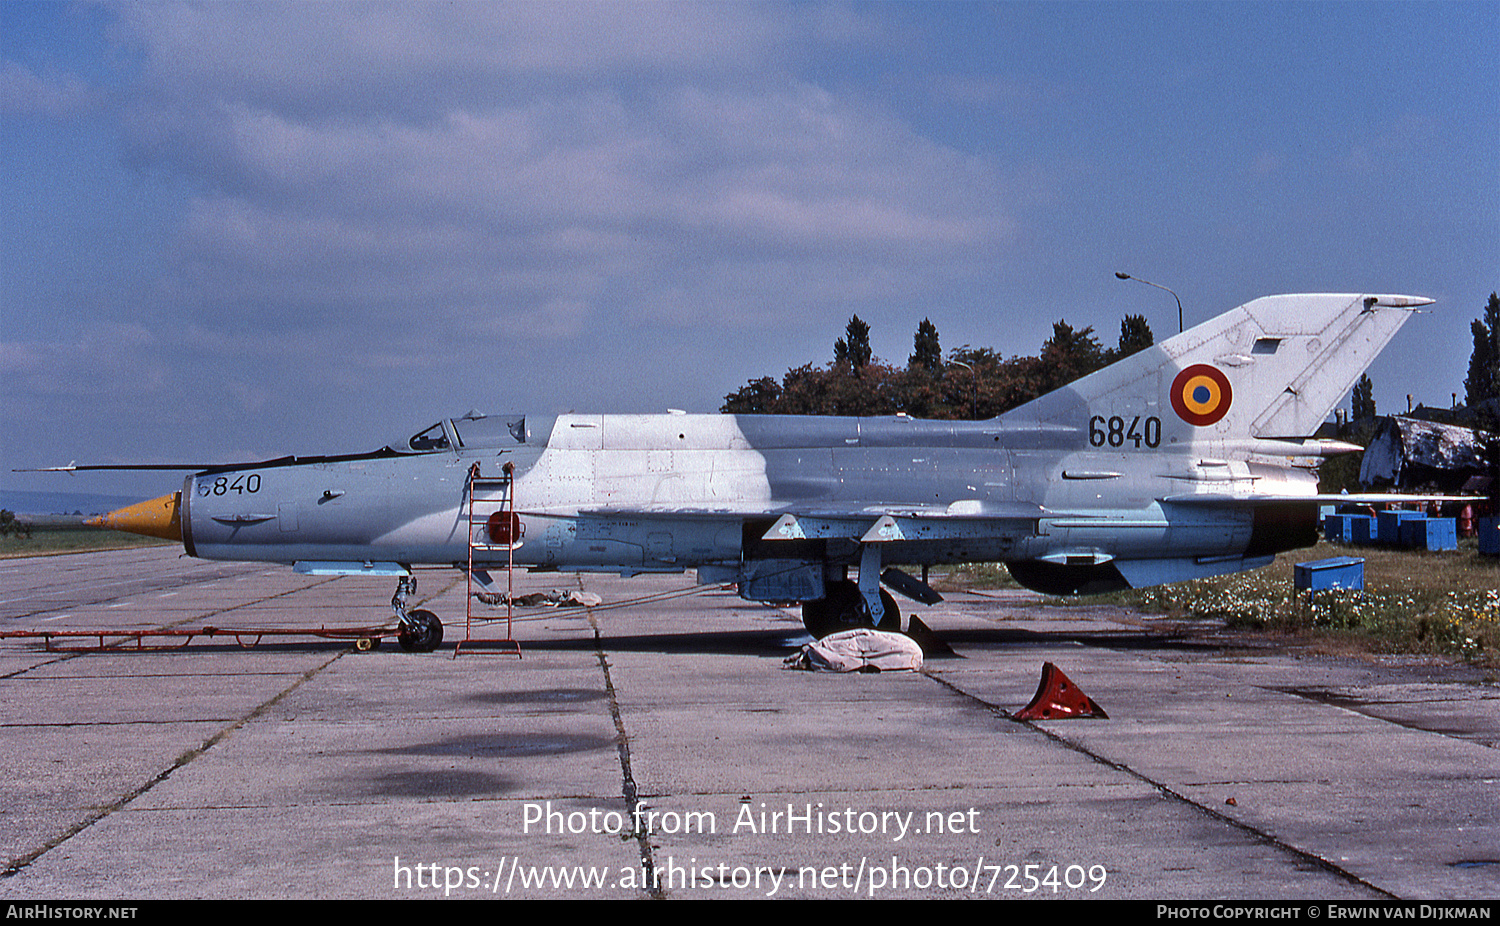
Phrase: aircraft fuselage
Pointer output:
(1191, 458)
(657, 493)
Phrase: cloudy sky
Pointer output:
(237, 230)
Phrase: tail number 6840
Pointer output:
(1117, 431)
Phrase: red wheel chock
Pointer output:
(1057, 698)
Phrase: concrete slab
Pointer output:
(306, 769)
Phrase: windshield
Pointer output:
(490, 431)
(429, 440)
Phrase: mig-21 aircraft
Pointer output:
(1191, 458)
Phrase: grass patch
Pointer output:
(1413, 602)
(974, 575)
(46, 541)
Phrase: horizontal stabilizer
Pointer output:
(1368, 498)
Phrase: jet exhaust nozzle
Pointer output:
(159, 517)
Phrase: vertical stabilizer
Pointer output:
(1272, 368)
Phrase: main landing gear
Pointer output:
(845, 608)
(848, 605)
(420, 631)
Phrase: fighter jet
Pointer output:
(1191, 458)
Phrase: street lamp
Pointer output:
(975, 373)
(1126, 276)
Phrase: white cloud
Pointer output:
(50, 93)
(649, 180)
(106, 363)
(386, 205)
(332, 55)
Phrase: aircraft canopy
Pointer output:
(474, 432)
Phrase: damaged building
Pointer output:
(1413, 455)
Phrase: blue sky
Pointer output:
(237, 230)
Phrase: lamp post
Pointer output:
(1126, 276)
(974, 373)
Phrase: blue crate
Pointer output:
(1388, 525)
(1336, 528)
(1488, 532)
(1334, 572)
(1361, 529)
(1430, 533)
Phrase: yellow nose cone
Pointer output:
(160, 517)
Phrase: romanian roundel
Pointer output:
(1201, 395)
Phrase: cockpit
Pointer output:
(434, 438)
(477, 432)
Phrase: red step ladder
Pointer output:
(493, 528)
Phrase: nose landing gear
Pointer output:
(420, 631)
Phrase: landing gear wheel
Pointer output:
(422, 633)
(824, 616)
(843, 608)
(891, 620)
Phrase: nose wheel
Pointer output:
(420, 631)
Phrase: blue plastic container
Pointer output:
(1388, 525)
(1334, 572)
(1361, 529)
(1430, 533)
(1488, 532)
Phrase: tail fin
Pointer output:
(1272, 368)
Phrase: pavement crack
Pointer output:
(16, 865)
(622, 746)
(38, 665)
(1171, 794)
(1334, 698)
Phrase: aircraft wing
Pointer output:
(864, 522)
(823, 509)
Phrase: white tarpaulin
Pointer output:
(862, 650)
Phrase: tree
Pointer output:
(10, 524)
(757, 397)
(1135, 336)
(854, 347)
(1362, 402)
(927, 354)
(986, 384)
(972, 383)
(1483, 382)
(1068, 355)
